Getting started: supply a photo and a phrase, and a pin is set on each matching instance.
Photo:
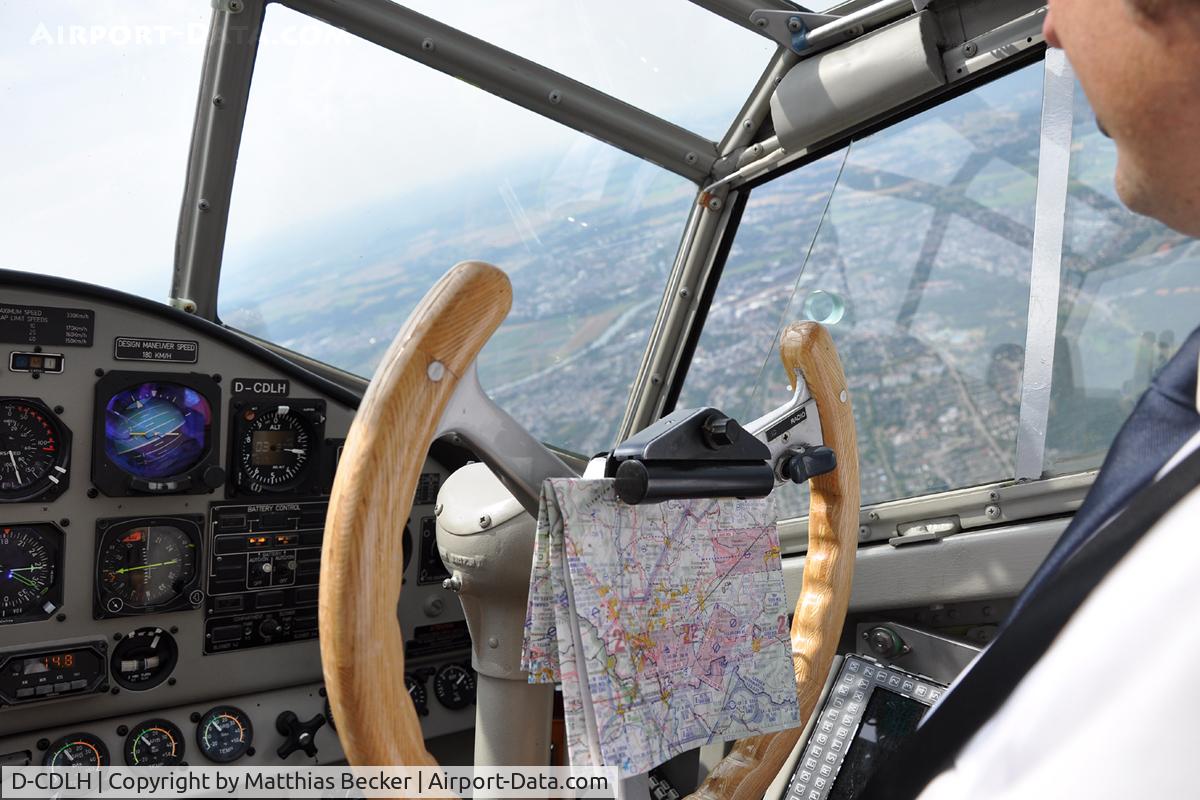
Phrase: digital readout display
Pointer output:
(58, 661)
(887, 721)
(271, 448)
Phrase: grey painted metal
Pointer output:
(1054, 162)
(790, 28)
(833, 91)
(677, 314)
(963, 60)
(519, 460)
(927, 653)
(739, 11)
(856, 22)
(518, 80)
(980, 565)
(1015, 502)
(745, 126)
(693, 263)
(216, 135)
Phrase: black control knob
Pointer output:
(720, 431)
(809, 462)
(213, 477)
(298, 735)
(269, 627)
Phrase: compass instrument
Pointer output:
(77, 750)
(275, 447)
(147, 564)
(224, 734)
(35, 451)
(154, 743)
(30, 570)
(157, 435)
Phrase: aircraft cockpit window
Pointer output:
(363, 176)
(913, 245)
(1128, 300)
(671, 58)
(105, 96)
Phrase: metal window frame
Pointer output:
(224, 93)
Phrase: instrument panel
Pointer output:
(163, 488)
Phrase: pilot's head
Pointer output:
(1139, 63)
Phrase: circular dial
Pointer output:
(144, 659)
(454, 686)
(33, 450)
(416, 691)
(224, 734)
(29, 556)
(157, 430)
(77, 750)
(154, 743)
(144, 567)
(275, 450)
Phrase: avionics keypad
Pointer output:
(892, 695)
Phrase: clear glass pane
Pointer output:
(926, 244)
(98, 107)
(1129, 299)
(671, 57)
(364, 176)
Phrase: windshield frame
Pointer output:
(712, 224)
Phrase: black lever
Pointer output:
(809, 462)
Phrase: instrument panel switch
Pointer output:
(298, 735)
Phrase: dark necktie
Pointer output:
(1162, 421)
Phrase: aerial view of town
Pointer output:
(914, 246)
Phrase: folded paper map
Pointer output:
(666, 624)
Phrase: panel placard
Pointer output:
(175, 351)
(47, 325)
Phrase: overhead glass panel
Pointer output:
(670, 57)
(98, 105)
(364, 176)
(919, 265)
(1130, 290)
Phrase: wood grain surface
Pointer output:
(748, 770)
(362, 649)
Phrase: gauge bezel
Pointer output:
(107, 605)
(173, 731)
(248, 729)
(54, 595)
(442, 698)
(111, 479)
(309, 482)
(45, 489)
(58, 744)
(166, 667)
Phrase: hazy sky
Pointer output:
(100, 94)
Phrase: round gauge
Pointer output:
(157, 430)
(144, 659)
(143, 567)
(224, 734)
(454, 686)
(417, 693)
(274, 448)
(154, 743)
(77, 750)
(29, 569)
(34, 450)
